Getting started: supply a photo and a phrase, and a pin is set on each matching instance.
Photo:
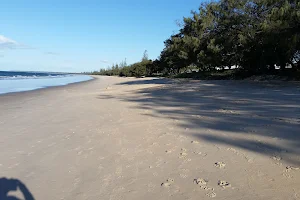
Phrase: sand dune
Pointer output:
(125, 138)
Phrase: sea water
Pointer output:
(16, 81)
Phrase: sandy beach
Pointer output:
(126, 138)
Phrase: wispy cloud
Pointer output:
(7, 43)
(104, 61)
(51, 53)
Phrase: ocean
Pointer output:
(17, 81)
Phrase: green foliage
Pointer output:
(138, 69)
(252, 34)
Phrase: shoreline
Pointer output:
(48, 88)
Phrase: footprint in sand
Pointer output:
(195, 142)
(200, 181)
(183, 155)
(287, 175)
(290, 168)
(131, 158)
(198, 153)
(203, 184)
(277, 158)
(168, 183)
(119, 170)
(154, 144)
(151, 187)
(168, 151)
(211, 194)
(183, 175)
(220, 165)
(224, 184)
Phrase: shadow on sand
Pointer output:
(262, 118)
(13, 185)
(147, 81)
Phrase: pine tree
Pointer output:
(145, 56)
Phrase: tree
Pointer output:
(145, 56)
(252, 34)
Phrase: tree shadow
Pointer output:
(146, 81)
(259, 117)
(12, 185)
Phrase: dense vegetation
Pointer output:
(254, 36)
(138, 69)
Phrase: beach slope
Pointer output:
(126, 138)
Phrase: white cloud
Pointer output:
(51, 53)
(104, 61)
(7, 43)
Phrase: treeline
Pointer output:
(254, 36)
(138, 69)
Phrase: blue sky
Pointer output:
(78, 36)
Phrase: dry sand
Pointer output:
(124, 138)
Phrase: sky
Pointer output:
(83, 36)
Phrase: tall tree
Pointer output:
(145, 56)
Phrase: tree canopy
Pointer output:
(254, 36)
